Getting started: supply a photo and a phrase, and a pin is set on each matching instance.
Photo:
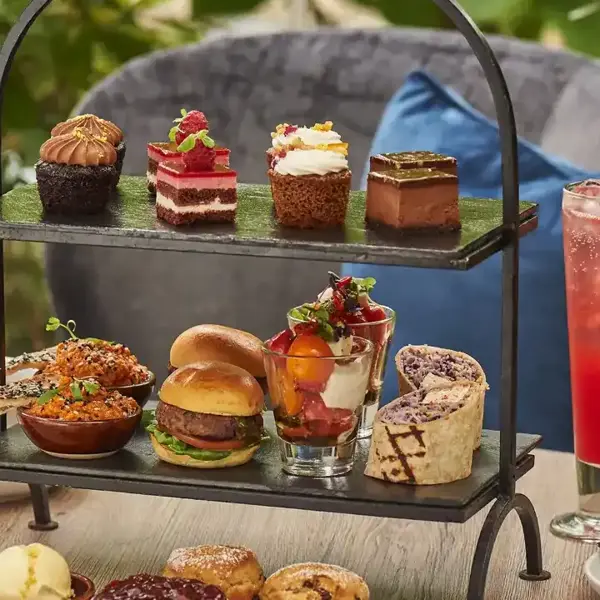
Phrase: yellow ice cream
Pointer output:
(34, 572)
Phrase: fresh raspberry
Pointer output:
(198, 152)
(290, 129)
(200, 158)
(189, 122)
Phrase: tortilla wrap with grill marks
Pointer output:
(425, 367)
(426, 437)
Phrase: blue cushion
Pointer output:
(461, 310)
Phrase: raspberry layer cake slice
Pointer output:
(183, 138)
(184, 197)
(160, 152)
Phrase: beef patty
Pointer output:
(212, 427)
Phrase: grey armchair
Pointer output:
(247, 85)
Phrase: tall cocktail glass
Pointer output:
(581, 233)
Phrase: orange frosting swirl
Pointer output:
(78, 148)
(93, 125)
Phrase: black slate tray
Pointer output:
(136, 469)
(130, 221)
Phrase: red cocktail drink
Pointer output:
(581, 235)
(581, 226)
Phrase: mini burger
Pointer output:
(220, 343)
(209, 416)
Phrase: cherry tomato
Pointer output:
(307, 369)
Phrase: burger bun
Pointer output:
(220, 343)
(215, 388)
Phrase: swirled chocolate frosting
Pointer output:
(93, 125)
(78, 148)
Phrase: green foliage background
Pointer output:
(76, 43)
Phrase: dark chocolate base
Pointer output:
(75, 189)
(151, 188)
(221, 216)
(121, 149)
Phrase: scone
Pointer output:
(234, 569)
(314, 581)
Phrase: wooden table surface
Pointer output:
(107, 535)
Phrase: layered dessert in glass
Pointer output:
(346, 303)
(318, 378)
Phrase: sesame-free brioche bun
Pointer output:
(235, 458)
(214, 388)
(314, 581)
(234, 569)
(217, 342)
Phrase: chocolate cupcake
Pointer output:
(310, 179)
(76, 173)
(99, 128)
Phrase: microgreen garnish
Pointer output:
(327, 313)
(54, 324)
(190, 141)
(76, 391)
(90, 387)
(47, 396)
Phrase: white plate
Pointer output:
(592, 571)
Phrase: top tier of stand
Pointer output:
(130, 222)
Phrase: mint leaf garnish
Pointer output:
(188, 144)
(205, 139)
(173, 133)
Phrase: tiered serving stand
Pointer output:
(489, 226)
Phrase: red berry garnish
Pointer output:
(193, 122)
(281, 342)
(338, 301)
(290, 129)
(355, 318)
(200, 158)
(344, 282)
(374, 313)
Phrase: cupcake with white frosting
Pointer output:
(310, 178)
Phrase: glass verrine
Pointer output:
(380, 333)
(581, 239)
(317, 402)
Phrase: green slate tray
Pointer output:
(130, 221)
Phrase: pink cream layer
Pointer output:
(174, 174)
(161, 151)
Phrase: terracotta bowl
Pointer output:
(140, 392)
(83, 588)
(79, 439)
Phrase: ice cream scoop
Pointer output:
(34, 572)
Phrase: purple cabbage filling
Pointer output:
(411, 410)
(418, 363)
